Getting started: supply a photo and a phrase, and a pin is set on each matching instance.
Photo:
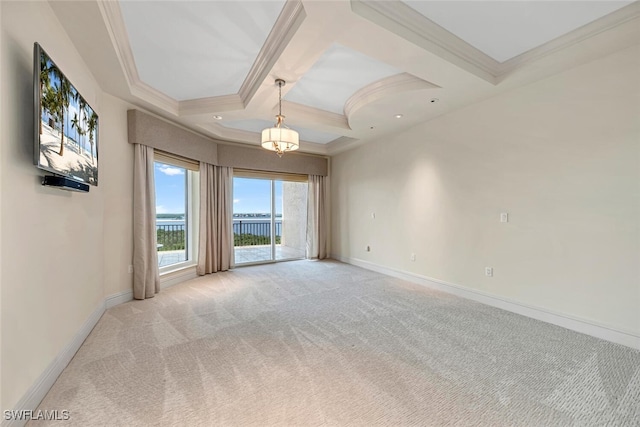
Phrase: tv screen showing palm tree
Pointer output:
(66, 126)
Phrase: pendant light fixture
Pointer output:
(280, 138)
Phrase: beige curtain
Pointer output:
(216, 215)
(317, 217)
(146, 279)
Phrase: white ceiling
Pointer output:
(350, 65)
(197, 49)
(504, 29)
(335, 76)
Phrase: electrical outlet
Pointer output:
(130, 269)
(488, 271)
(413, 257)
(504, 217)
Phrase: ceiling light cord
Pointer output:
(280, 99)
(279, 118)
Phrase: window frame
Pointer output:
(192, 209)
(272, 177)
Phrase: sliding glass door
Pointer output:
(269, 219)
(252, 214)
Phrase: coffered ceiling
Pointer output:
(196, 49)
(355, 70)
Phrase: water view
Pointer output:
(258, 205)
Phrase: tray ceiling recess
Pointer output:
(492, 39)
(506, 29)
(197, 49)
(335, 76)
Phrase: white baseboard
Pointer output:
(117, 299)
(166, 280)
(45, 381)
(579, 325)
(173, 278)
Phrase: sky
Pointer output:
(170, 189)
(249, 195)
(254, 195)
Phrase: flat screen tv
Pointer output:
(66, 127)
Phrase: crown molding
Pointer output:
(230, 134)
(607, 22)
(342, 144)
(143, 91)
(315, 116)
(112, 16)
(403, 82)
(409, 24)
(214, 104)
(404, 21)
(313, 148)
(286, 26)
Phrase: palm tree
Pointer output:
(63, 93)
(64, 96)
(74, 96)
(82, 106)
(93, 123)
(75, 123)
(45, 82)
(53, 103)
(49, 103)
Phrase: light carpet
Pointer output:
(328, 344)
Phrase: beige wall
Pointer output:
(560, 155)
(61, 251)
(116, 182)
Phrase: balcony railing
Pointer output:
(171, 237)
(252, 233)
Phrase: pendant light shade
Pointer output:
(280, 138)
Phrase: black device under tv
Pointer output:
(65, 128)
(64, 183)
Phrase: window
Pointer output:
(177, 189)
(269, 217)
